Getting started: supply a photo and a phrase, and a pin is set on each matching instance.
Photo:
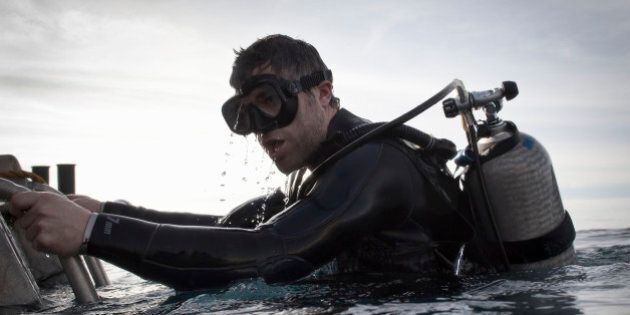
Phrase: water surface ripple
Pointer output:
(598, 283)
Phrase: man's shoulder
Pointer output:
(360, 160)
(377, 160)
(387, 150)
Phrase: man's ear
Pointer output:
(325, 93)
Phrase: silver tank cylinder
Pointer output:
(523, 193)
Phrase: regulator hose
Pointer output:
(443, 149)
(378, 131)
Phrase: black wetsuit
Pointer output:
(372, 211)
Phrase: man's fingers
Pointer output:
(75, 196)
(44, 241)
(39, 246)
(52, 222)
(27, 219)
(86, 202)
(21, 202)
(32, 231)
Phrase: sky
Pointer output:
(130, 91)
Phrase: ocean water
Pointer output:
(598, 284)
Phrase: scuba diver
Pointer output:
(386, 206)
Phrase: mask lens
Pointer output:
(236, 115)
(266, 99)
(242, 122)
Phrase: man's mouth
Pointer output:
(273, 147)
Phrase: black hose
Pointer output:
(472, 138)
(443, 149)
(310, 181)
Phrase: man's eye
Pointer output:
(265, 98)
(267, 101)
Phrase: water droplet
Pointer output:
(222, 199)
(223, 173)
(244, 179)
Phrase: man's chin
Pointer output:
(285, 166)
(285, 170)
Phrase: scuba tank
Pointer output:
(515, 202)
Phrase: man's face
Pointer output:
(289, 147)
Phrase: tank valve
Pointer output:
(473, 100)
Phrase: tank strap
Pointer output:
(543, 247)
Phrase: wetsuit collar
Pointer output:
(340, 123)
(343, 121)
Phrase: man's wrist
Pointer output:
(87, 233)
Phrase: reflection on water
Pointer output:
(599, 283)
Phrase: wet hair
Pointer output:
(289, 57)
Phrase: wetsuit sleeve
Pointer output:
(247, 215)
(180, 218)
(368, 190)
(255, 211)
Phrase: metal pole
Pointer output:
(66, 185)
(77, 276)
(65, 178)
(96, 271)
(42, 171)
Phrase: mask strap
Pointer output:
(315, 78)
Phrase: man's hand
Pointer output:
(86, 202)
(52, 222)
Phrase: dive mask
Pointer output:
(266, 102)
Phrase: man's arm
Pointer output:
(368, 190)
(164, 217)
(247, 215)
(255, 211)
(125, 209)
